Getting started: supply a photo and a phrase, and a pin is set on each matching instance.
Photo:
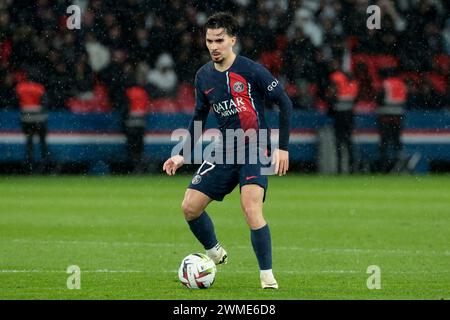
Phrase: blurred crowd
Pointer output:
(159, 45)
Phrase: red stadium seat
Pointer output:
(20, 76)
(443, 62)
(166, 105)
(101, 99)
(374, 64)
(5, 50)
(291, 90)
(360, 58)
(78, 106)
(352, 42)
(186, 98)
(385, 61)
(321, 106)
(98, 103)
(438, 81)
(281, 42)
(365, 106)
(273, 61)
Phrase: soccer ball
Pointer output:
(197, 271)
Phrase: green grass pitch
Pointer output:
(128, 237)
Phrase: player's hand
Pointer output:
(281, 160)
(172, 164)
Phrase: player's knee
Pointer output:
(254, 216)
(251, 206)
(249, 209)
(256, 222)
(190, 212)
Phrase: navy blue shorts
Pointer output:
(218, 180)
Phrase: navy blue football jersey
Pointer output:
(236, 97)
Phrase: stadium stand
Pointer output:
(86, 71)
(414, 37)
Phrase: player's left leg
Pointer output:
(252, 196)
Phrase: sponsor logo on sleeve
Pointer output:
(272, 86)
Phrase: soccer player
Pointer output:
(235, 87)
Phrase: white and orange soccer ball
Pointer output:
(197, 271)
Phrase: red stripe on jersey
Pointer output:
(240, 92)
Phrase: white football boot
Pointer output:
(217, 254)
(268, 280)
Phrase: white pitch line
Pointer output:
(173, 271)
(63, 271)
(232, 271)
(362, 271)
(382, 251)
(101, 243)
(290, 248)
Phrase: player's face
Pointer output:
(219, 44)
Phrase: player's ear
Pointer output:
(233, 40)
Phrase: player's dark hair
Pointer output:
(223, 20)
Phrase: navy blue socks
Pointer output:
(262, 245)
(203, 229)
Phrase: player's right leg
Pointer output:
(252, 196)
(201, 225)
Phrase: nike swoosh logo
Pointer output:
(251, 177)
(208, 91)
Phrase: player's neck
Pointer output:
(226, 63)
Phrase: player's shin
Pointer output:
(262, 245)
(203, 229)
